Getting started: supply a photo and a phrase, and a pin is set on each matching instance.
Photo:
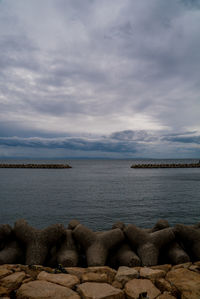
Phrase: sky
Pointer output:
(100, 78)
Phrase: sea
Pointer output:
(100, 192)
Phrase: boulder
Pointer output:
(166, 296)
(66, 280)
(135, 287)
(39, 289)
(4, 272)
(77, 271)
(186, 281)
(13, 281)
(151, 273)
(124, 274)
(104, 270)
(93, 290)
(94, 277)
(164, 286)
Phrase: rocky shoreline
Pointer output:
(123, 262)
(161, 282)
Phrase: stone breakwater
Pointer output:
(126, 261)
(187, 165)
(48, 166)
(160, 282)
(77, 245)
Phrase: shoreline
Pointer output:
(161, 282)
(125, 262)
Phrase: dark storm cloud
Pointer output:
(120, 144)
(134, 135)
(80, 144)
(184, 139)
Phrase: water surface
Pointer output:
(100, 192)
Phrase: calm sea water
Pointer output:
(100, 192)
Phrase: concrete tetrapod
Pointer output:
(124, 256)
(37, 242)
(67, 254)
(12, 253)
(190, 237)
(148, 245)
(5, 232)
(160, 224)
(173, 253)
(97, 246)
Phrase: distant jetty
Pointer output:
(47, 166)
(169, 165)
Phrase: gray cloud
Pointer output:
(135, 143)
(81, 144)
(183, 139)
(117, 68)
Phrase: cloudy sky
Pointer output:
(100, 78)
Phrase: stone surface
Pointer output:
(151, 273)
(185, 265)
(124, 274)
(164, 286)
(76, 271)
(195, 268)
(43, 289)
(104, 269)
(28, 279)
(135, 287)
(197, 263)
(4, 292)
(165, 267)
(94, 290)
(94, 277)
(186, 281)
(13, 281)
(34, 270)
(166, 296)
(66, 280)
(117, 284)
(8, 266)
(4, 272)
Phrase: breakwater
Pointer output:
(187, 165)
(77, 245)
(49, 166)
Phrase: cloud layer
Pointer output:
(110, 77)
